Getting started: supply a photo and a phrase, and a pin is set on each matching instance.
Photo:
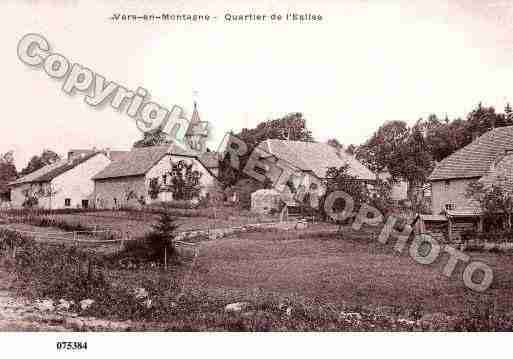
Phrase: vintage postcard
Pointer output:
(255, 166)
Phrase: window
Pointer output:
(164, 179)
(67, 202)
(447, 185)
(450, 206)
(85, 203)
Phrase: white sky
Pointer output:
(365, 63)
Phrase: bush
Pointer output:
(156, 246)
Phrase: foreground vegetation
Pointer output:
(325, 282)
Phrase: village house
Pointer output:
(314, 159)
(145, 175)
(64, 184)
(488, 159)
(311, 159)
(150, 174)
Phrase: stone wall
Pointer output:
(112, 193)
(218, 233)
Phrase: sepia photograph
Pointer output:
(187, 174)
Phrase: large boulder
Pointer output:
(45, 305)
(86, 303)
(64, 304)
(140, 293)
(236, 307)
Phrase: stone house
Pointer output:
(145, 175)
(488, 159)
(313, 159)
(64, 184)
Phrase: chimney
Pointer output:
(107, 152)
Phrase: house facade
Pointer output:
(487, 159)
(65, 184)
(311, 161)
(148, 175)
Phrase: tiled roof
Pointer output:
(315, 157)
(433, 217)
(209, 159)
(117, 155)
(474, 160)
(464, 212)
(114, 155)
(49, 172)
(140, 160)
(500, 173)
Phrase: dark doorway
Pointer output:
(85, 203)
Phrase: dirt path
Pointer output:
(21, 315)
(18, 314)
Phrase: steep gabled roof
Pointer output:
(474, 160)
(315, 157)
(500, 173)
(209, 159)
(49, 172)
(113, 155)
(140, 160)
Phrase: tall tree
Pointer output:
(333, 142)
(351, 149)
(290, 127)
(154, 138)
(377, 152)
(412, 161)
(445, 137)
(495, 201)
(7, 173)
(37, 162)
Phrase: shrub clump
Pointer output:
(156, 247)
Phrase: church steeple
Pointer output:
(197, 132)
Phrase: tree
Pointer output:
(413, 162)
(508, 113)
(160, 239)
(36, 192)
(493, 200)
(333, 142)
(445, 137)
(351, 149)
(339, 179)
(7, 173)
(290, 127)
(153, 138)
(378, 151)
(482, 119)
(36, 162)
(185, 181)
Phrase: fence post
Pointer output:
(74, 236)
(165, 257)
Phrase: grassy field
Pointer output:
(318, 266)
(354, 270)
(139, 225)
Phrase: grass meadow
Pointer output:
(318, 271)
